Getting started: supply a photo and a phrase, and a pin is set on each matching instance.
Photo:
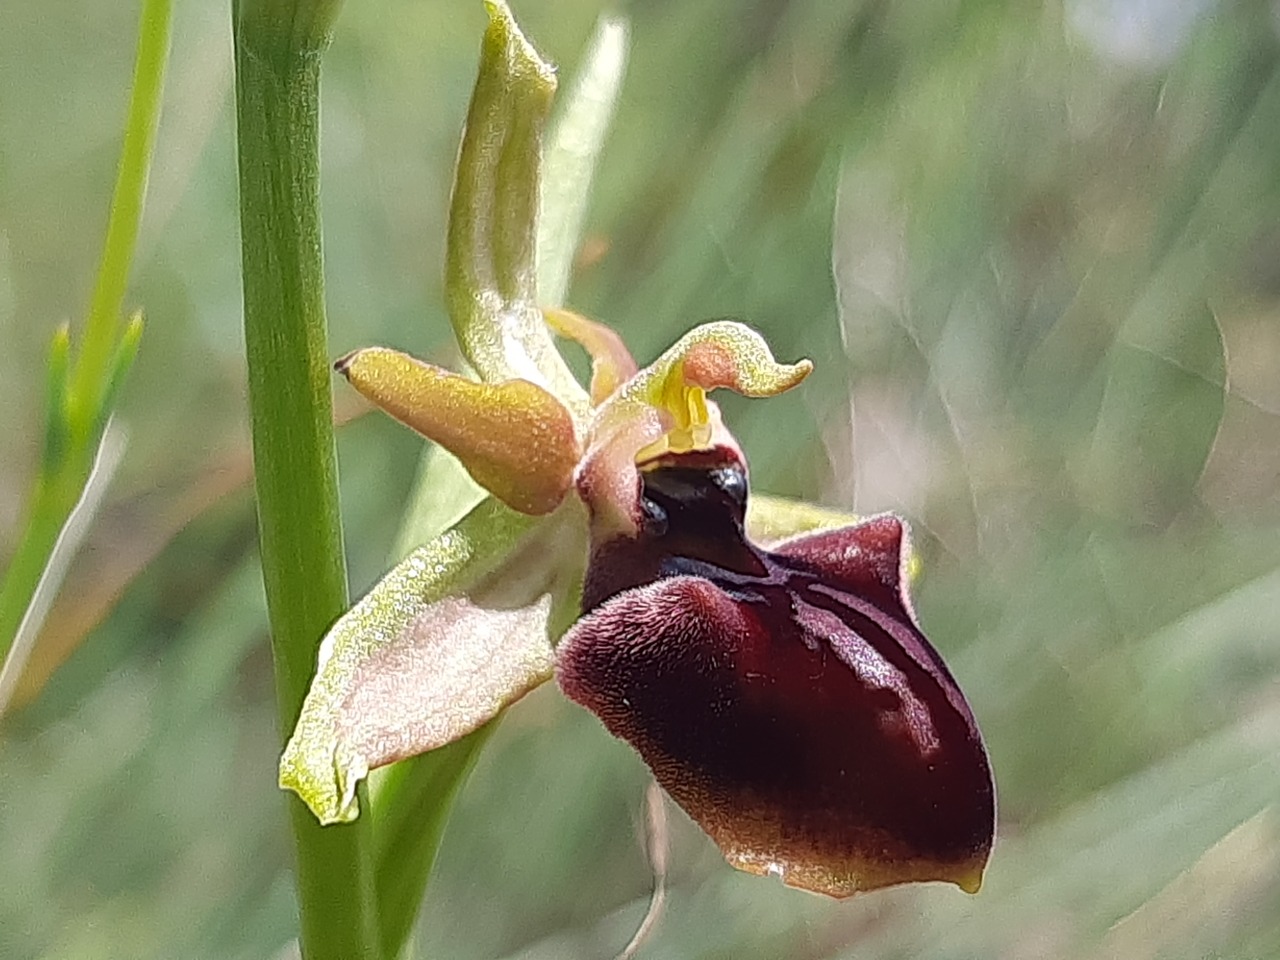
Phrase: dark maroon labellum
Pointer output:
(787, 700)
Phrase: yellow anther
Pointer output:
(696, 400)
(686, 403)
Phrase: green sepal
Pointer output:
(771, 520)
(449, 637)
(490, 261)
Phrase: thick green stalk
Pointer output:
(277, 110)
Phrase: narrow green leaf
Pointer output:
(1164, 399)
(121, 363)
(569, 162)
(490, 269)
(1197, 907)
(413, 800)
(92, 368)
(75, 392)
(66, 544)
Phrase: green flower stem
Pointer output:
(297, 25)
(277, 110)
(80, 397)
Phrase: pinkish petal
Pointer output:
(446, 640)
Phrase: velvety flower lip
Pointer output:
(788, 699)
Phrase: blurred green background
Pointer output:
(1034, 250)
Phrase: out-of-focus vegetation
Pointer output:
(1033, 250)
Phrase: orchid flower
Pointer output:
(761, 655)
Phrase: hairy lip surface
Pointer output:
(787, 700)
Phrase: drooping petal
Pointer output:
(453, 634)
(515, 438)
(788, 701)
